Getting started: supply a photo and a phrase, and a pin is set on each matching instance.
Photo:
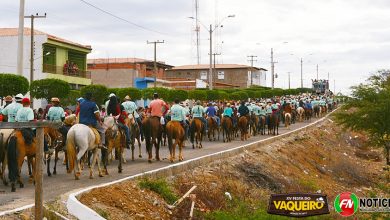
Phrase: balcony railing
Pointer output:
(65, 71)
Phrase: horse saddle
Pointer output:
(28, 135)
(96, 133)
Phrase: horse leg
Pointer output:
(98, 163)
(55, 162)
(180, 144)
(157, 146)
(139, 148)
(132, 150)
(48, 165)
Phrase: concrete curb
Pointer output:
(79, 210)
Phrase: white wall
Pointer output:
(8, 57)
(259, 78)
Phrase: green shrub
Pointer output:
(161, 187)
(134, 93)
(100, 93)
(49, 88)
(12, 84)
(197, 95)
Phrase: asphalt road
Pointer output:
(63, 182)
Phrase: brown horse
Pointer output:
(227, 129)
(262, 123)
(135, 134)
(323, 111)
(55, 141)
(213, 127)
(254, 124)
(115, 139)
(175, 131)
(317, 111)
(18, 148)
(153, 132)
(4, 136)
(308, 114)
(273, 124)
(243, 126)
(196, 132)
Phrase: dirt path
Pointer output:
(62, 183)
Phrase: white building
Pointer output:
(50, 55)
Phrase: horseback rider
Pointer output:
(156, 107)
(228, 112)
(197, 112)
(9, 112)
(26, 114)
(131, 108)
(118, 111)
(178, 113)
(56, 113)
(211, 113)
(90, 116)
(243, 110)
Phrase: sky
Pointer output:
(349, 39)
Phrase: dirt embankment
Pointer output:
(326, 159)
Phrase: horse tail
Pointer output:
(71, 150)
(12, 159)
(147, 133)
(170, 131)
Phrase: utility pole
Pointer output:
(251, 60)
(215, 54)
(289, 80)
(273, 68)
(334, 86)
(19, 69)
(301, 73)
(211, 59)
(197, 29)
(328, 76)
(317, 72)
(155, 59)
(32, 17)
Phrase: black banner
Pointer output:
(298, 204)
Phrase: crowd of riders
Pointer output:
(17, 109)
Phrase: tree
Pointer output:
(197, 95)
(223, 95)
(134, 93)
(99, 92)
(71, 98)
(162, 93)
(49, 88)
(212, 95)
(369, 110)
(11, 84)
(182, 95)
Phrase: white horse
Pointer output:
(4, 135)
(81, 139)
(301, 113)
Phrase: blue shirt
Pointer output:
(211, 111)
(87, 113)
(177, 113)
(228, 112)
(197, 111)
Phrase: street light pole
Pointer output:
(251, 60)
(289, 80)
(19, 61)
(301, 73)
(211, 59)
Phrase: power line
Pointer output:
(122, 19)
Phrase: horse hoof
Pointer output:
(100, 175)
(119, 171)
(77, 178)
(55, 172)
(158, 159)
(21, 185)
(140, 156)
(49, 174)
(150, 161)
(90, 177)
(13, 189)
